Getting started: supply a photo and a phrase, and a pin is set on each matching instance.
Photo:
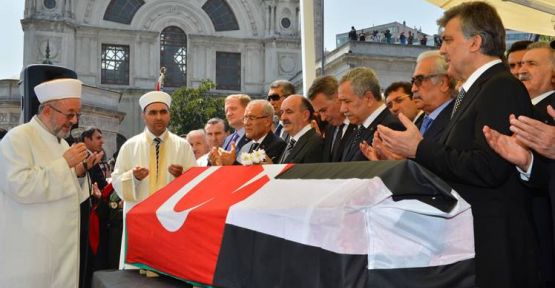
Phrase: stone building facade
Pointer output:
(120, 45)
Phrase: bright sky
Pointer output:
(339, 16)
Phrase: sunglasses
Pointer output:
(274, 97)
(418, 79)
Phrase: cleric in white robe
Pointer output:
(40, 193)
(150, 160)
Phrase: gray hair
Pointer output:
(440, 66)
(363, 79)
(287, 86)
(544, 45)
(197, 132)
(267, 108)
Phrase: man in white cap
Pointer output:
(40, 193)
(150, 160)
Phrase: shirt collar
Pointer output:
(151, 136)
(417, 116)
(346, 121)
(477, 73)
(373, 116)
(240, 132)
(259, 141)
(438, 110)
(301, 132)
(542, 96)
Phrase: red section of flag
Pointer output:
(192, 251)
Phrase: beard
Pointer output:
(58, 129)
(60, 133)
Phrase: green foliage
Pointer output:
(192, 107)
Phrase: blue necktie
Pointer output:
(426, 123)
(233, 138)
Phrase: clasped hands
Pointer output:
(221, 157)
(77, 156)
(389, 144)
(140, 173)
(528, 134)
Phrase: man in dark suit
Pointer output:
(473, 45)
(258, 127)
(323, 96)
(279, 90)
(399, 99)
(361, 101)
(91, 260)
(304, 145)
(536, 72)
(433, 91)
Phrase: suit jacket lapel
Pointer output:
(441, 121)
(470, 97)
(299, 145)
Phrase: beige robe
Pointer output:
(39, 210)
(139, 151)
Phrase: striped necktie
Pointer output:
(157, 142)
(288, 149)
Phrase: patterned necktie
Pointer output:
(458, 101)
(426, 123)
(358, 134)
(157, 142)
(288, 149)
(253, 147)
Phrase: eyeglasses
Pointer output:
(418, 79)
(252, 117)
(274, 97)
(69, 116)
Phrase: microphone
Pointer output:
(75, 134)
(75, 137)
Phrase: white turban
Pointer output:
(153, 97)
(58, 89)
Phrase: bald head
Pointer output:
(296, 113)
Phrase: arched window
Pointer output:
(173, 56)
(221, 14)
(122, 11)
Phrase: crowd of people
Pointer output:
(386, 36)
(488, 133)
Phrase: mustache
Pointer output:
(523, 76)
(286, 122)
